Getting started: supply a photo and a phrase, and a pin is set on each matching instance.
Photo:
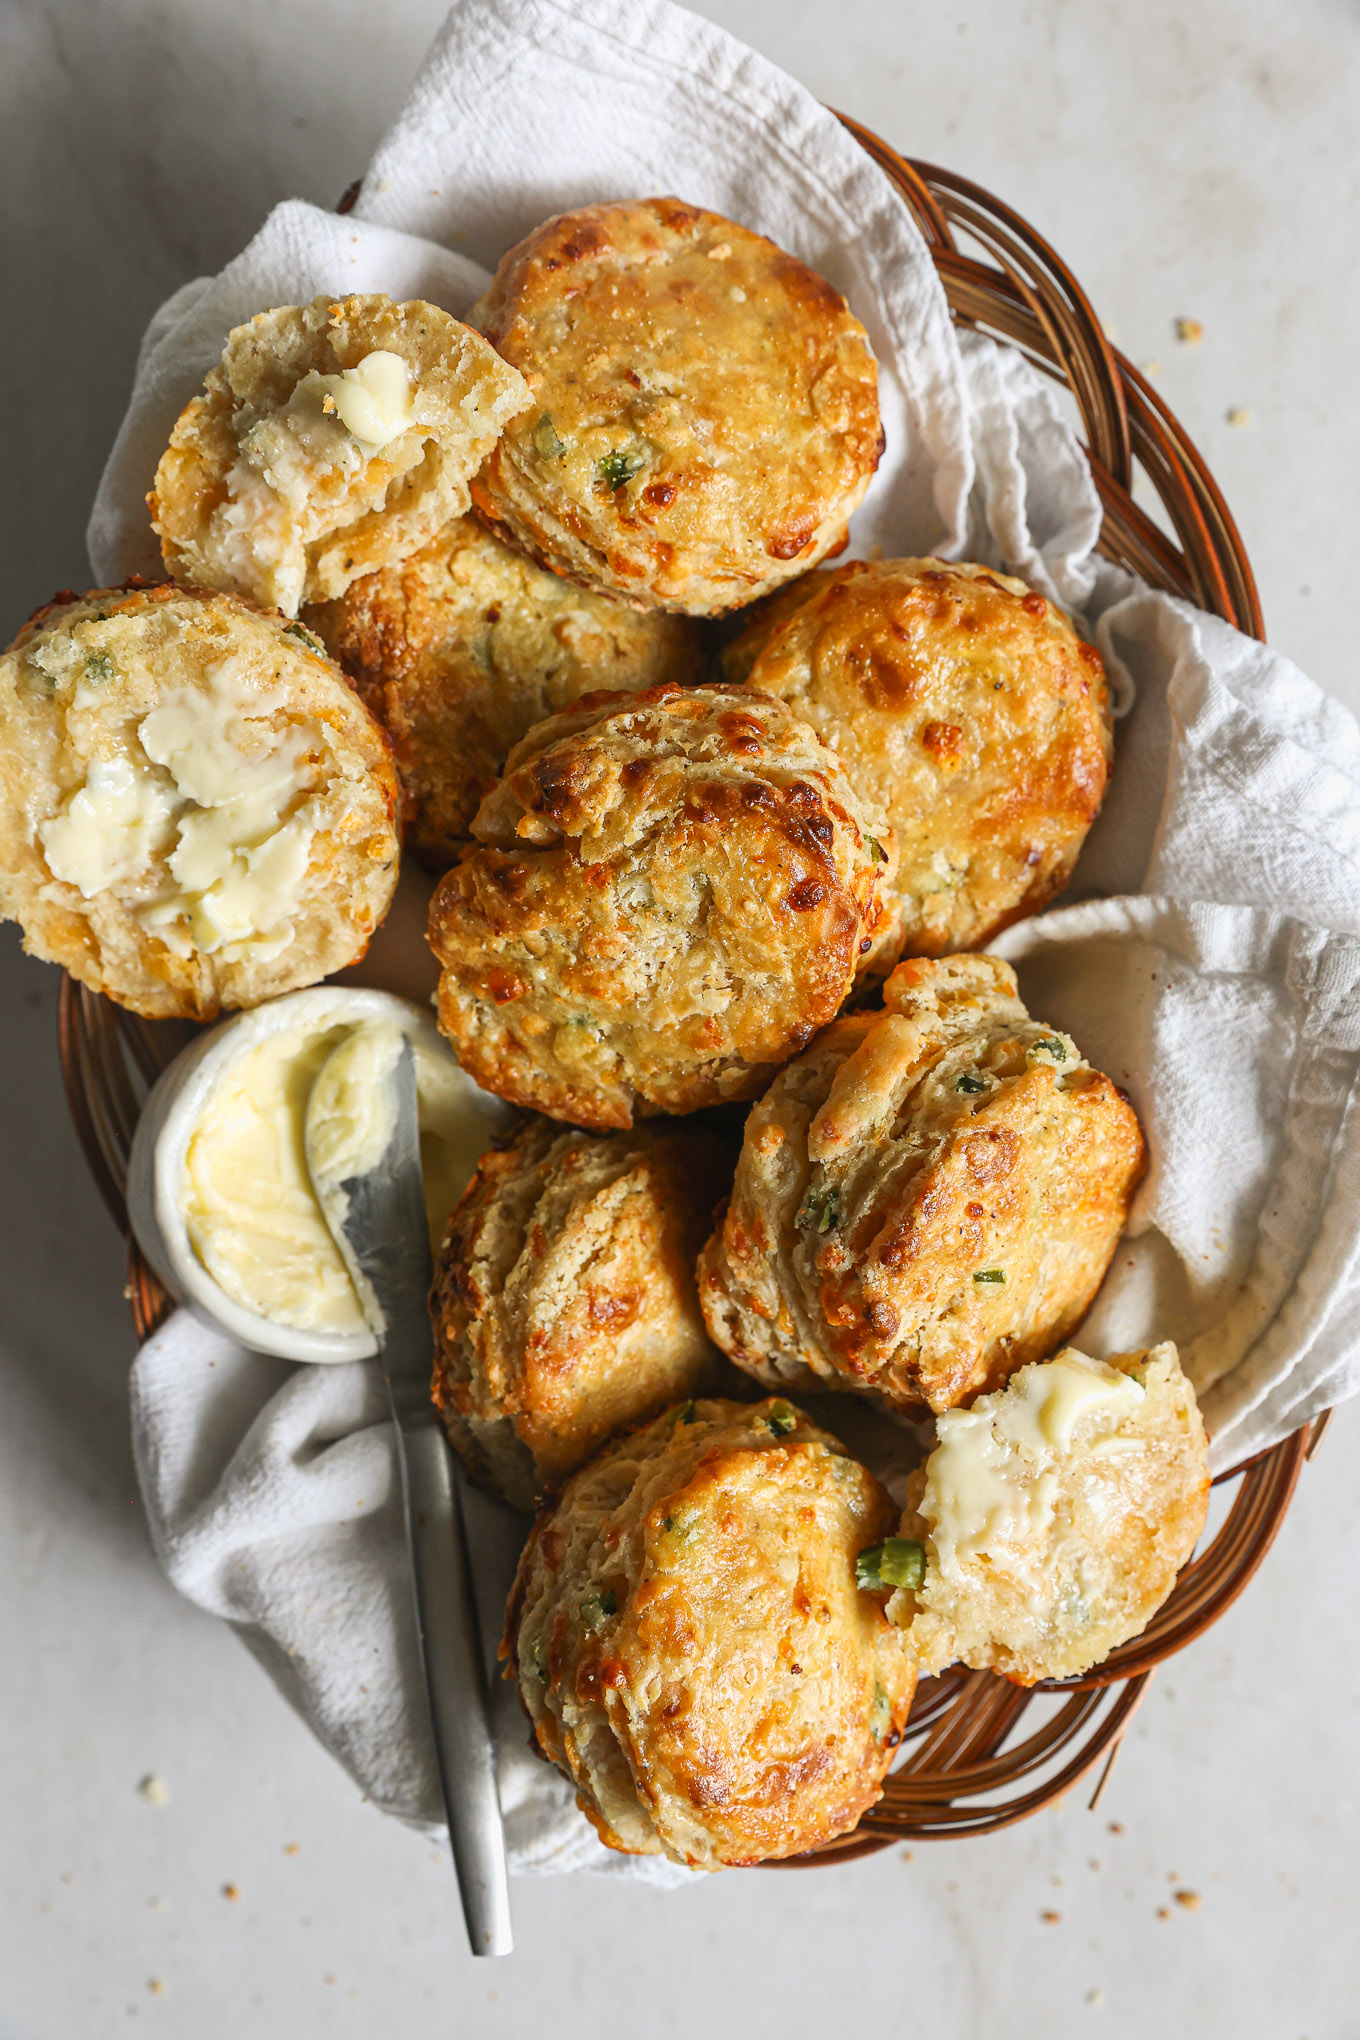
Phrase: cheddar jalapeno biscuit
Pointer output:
(668, 894)
(692, 1645)
(564, 1303)
(704, 412)
(967, 710)
(925, 1200)
(198, 812)
(1050, 1521)
(464, 646)
(330, 440)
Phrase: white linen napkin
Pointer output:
(1221, 984)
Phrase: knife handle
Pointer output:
(451, 1654)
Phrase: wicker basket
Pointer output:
(968, 1765)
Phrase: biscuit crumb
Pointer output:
(1190, 331)
(1094, 1997)
(1238, 414)
(1051, 1919)
(1163, 1912)
(291, 1848)
(156, 1986)
(231, 1891)
(1093, 1863)
(154, 1790)
(907, 1855)
(1191, 1900)
(1114, 1827)
(1151, 366)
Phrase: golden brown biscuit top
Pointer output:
(467, 644)
(564, 1299)
(670, 892)
(969, 711)
(696, 1587)
(702, 402)
(926, 1199)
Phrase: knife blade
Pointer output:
(363, 1154)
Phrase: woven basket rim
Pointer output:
(963, 1769)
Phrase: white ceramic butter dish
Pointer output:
(218, 1190)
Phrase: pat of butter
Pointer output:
(992, 1484)
(351, 1104)
(109, 830)
(976, 1498)
(218, 795)
(251, 1214)
(372, 401)
(1048, 1402)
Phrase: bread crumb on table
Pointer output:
(1238, 414)
(1190, 331)
(154, 1790)
(1191, 1900)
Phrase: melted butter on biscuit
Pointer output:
(330, 424)
(109, 830)
(244, 834)
(218, 794)
(372, 401)
(991, 1488)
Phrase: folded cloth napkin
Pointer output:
(1211, 962)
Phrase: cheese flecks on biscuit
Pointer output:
(692, 1643)
(461, 648)
(668, 893)
(926, 1199)
(705, 407)
(564, 1303)
(967, 709)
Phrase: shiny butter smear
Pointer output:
(249, 1208)
(992, 1485)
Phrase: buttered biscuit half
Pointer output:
(331, 440)
(199, 813)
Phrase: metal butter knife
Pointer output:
(363, 1153)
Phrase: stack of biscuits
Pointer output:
(719, 834)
